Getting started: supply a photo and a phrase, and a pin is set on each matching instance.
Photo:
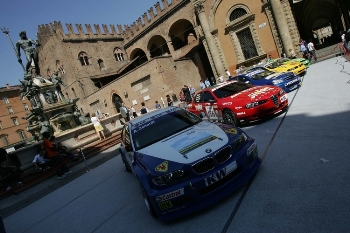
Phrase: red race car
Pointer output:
(238, 102)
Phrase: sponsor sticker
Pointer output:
(163, 167)
(220, 174)
(232, 131)
(171, 195)
(240, 113)
(165, 205)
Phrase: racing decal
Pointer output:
(237, 108)
(240, 113)
(283, 98)
(146, 121)
(227, 103)
(251, 148)
(198, 107)
(194, 140)
(163, 167)
(165, 205)
(232, 131)
(211, 113)
(171, 195)
(291, 82)
(143, 126)
(220, 174)
(259, 92)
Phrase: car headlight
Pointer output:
(256, 103)
(241, 139)
(168, 178)
(277, 81)
(281, 92)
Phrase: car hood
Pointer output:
(255, 93)
(189, 145)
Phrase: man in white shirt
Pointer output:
(202, 85)
(312, 50)
(40, 162)
(228, 73)
(207, 83)
(221, 78)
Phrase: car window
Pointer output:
(242, 79)
(231, 89)
(260, 73)
(162, 127)
(207, 96)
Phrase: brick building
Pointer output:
(12, 127)
(179, 43)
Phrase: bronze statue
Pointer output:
(50, 97)
(30, 51)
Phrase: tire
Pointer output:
(148, 203)
(126, 164)
(229, 117)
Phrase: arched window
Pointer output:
(84, 60)
(237, 13)
(101, 64)
(118, 54)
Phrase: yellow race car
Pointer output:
(279, 65)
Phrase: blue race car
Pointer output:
(183, 163)
(260, 76)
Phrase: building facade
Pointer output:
(179, 43)
(12, 111)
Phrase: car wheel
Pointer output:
(229, 117)
(126, 164)
(147, 202)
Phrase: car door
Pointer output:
(126, 146)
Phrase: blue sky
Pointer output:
(18, 15)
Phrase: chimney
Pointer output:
(8, 86)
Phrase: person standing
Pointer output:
(221, 78)
(187, 94)
(312, 50)
(55, 159)
(8, 174)
(124, 114)
(158, 105)
(98, 126)
(192, 91)
(207, 83)
(345, 44)
(133, 112)
(143, 109)
(202, 85)
(169, 101)
(182, 96)
(228, 73)
(303, 50)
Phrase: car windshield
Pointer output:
(162, 126)
(231, 89)
(260, 73)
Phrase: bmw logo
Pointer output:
(208, 150)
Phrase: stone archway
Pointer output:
(117, 101)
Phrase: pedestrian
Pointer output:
(312, 51)
(207, 83)
(169, 101)
(124, 114)
(303, 50)
(143, 109)
(8, 174)
(158, 106)
(187, 94)
(40, 162)
(269, 59)
(202, 85)
(192, 91)
(221, 78)
(182, 95)
(55, 159)
(228, 73)
(98, 126)
(292, 54)
(133, 112)
(344, 42)
(212, 80)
